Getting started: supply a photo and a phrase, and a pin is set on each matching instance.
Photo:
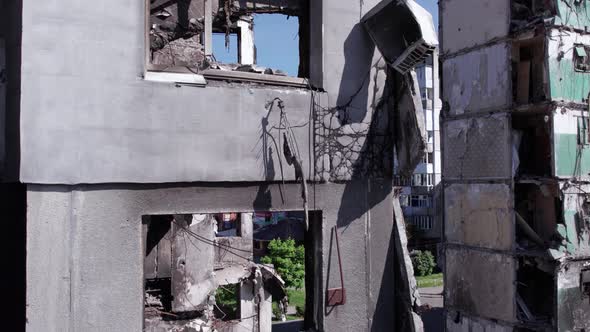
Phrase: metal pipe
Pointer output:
(528, 230)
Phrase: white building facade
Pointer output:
(419, 195)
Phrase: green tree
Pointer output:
(423, 262)
(288, 260)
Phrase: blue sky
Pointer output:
(277, 43)
(432, 7)
(277, 40)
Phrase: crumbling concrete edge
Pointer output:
(406, 286)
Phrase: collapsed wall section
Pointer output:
(516, 192)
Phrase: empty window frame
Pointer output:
(529, 71)
(582, 58)
(539, 206)
(184, 247)
(535, 292)
(181, 39)
(532, 140)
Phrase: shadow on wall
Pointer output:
(357, 136)
(364, 139)
(11, 32)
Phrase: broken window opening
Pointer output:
(535, 296)
(581, 58)
(532, 144)
(529, 77)
(228, 224)
(194, 277)
(537, 207)
(193, 37)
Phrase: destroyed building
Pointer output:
(516, 163)
(123, 134)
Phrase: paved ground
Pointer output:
(289, 326)
(433, 318)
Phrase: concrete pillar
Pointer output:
(246, 225)
(247, 308)
(246, 53)
(192, 262)
(264, 310)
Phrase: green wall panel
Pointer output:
(573, 15)
(566, 154)
(566, 83)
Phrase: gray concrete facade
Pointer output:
(99, 146)
(85, 258)
(88, 116)
(510, 208)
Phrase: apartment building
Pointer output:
(420, 193)
(516, 164)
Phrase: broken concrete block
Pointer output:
(481, 283)
(478, 148)
(478, 80)
(180, 52)
(476, 211)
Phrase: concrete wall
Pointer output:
(573, 308)
(569, 158)
(88, 116)
(85, 257)
(479, 80)
(481, 283)
(480, 215)
(462, 25)
(477, 148)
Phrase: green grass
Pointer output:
(432, 280)
(296, 297)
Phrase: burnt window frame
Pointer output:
(583, 130)
(192, 76)
(578, 58)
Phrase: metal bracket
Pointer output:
(337, 296)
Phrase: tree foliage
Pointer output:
(226, 298)
(423, 262)
(288, 260)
